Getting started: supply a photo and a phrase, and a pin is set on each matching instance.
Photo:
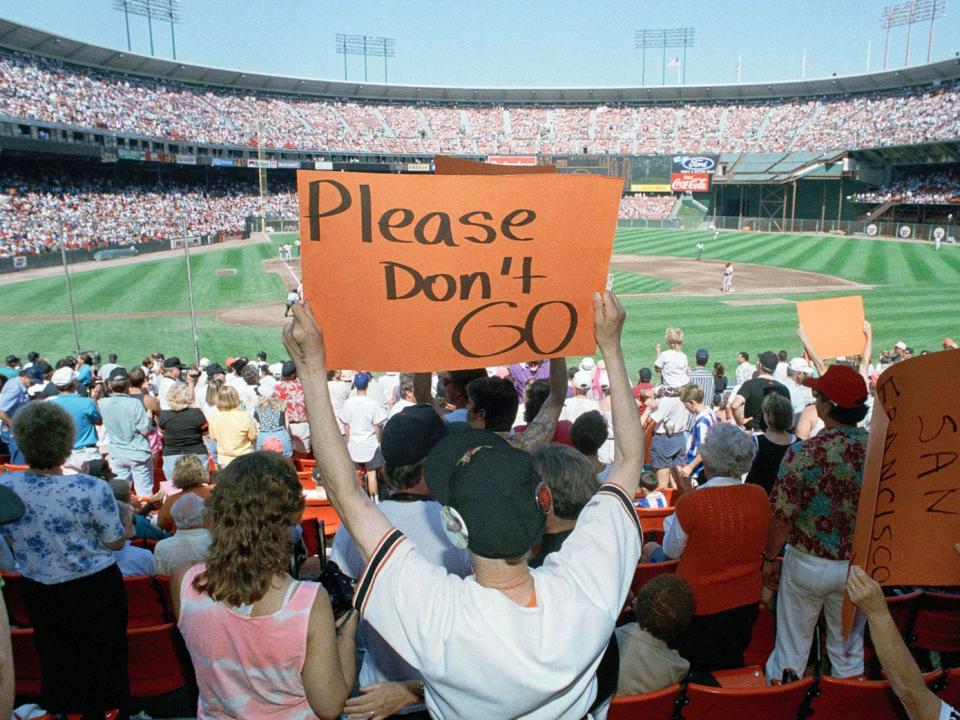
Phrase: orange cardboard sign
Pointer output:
(444, 165)
(834, 325)
(908, 517)
(418, 273)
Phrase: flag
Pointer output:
(673, 63)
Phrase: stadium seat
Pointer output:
(304, 463)
(145, 605)
(323, 511)
(313, 538)
(646, 572)
(780, 702)
(937, 623)
(26, 663)
(762, 638)
(306, 480)
(13, 597)
(163, 587)
(659, 705)
(9, 467)
(156, 660)
(903, 610)
(749, 676)
(669, 494)
(651, 521)
(950, 692)
(858, 699)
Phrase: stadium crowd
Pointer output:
(647, 207)
(938, 188)
(466, 498)
(49, 90)
(97, 211)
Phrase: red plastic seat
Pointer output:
(26, 663)
(10, 467)
(646, 572)
(657, 705)
(857, 699)
(651, 521)
(163, 587)
(322, 510)
(312, 536)
(304, 463)
(13, 597)
(903, 609)
(762, 638)
(937, 623)
(780, 702)
(145, 606)
(145, 543)
(950, 693)
(669, 494)
(156, 660)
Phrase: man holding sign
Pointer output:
(510, 641)
(814, 504)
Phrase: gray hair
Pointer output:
(179, 397)
(727, 451)
(187, 512)
(569, 475)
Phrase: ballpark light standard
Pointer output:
(368, 46)
(193, 310)
(907, 13)
(167, 10)
(663, 38)
(66, 276)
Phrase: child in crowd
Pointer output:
(672, 365)
(705, 418)
(650, 496)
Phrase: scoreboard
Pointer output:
(609, 165)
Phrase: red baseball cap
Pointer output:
(841, 385)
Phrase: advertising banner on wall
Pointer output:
(691, 173)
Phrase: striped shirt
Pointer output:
(701, 426)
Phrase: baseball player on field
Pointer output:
(508, 641)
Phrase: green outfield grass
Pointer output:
(912, 298)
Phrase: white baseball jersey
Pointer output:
(482, 655)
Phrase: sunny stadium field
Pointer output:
(137, 308)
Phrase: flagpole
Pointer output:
(739, 58)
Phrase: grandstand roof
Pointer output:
(21, 37)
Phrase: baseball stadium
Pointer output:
(149, 214)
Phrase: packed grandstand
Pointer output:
(48, 90)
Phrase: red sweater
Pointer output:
(727, 529)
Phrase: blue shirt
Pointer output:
(85, 415)
(13, 396)
(85, 375)
(125, 420)
(67, 520)
(701, 426)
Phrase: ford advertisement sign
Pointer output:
(694, 164)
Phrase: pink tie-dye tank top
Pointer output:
(248, 667)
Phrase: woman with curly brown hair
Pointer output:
(262, 643)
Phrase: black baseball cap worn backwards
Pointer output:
(494, 502)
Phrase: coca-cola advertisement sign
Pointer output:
(690, 182)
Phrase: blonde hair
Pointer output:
(189, 472)
(228, 399)
(179, 397)
(250, 513)
(674, 336)
(213, 391)
(273, 402)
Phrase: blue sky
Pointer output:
(510, 43)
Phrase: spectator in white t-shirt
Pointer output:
(744, 369)
(672, 364)
(362, 419)
(574, 407)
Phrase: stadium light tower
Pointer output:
(663, 38)
(167, 10)
(907, 13)
(368, 46)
